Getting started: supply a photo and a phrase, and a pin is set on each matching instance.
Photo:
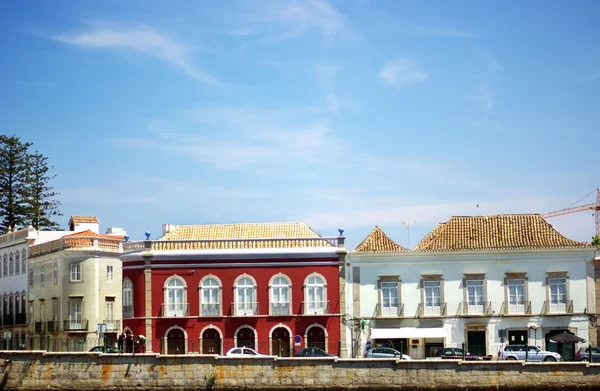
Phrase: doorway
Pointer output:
(316, 338)
(211, 342)
(476, 343)
(280, 342)
(175, 342)
(246, 338)
(517, 337)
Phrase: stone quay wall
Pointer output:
(29, 371)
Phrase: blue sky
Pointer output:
(338, 114)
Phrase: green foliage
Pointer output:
(25, 194)
(596, 240)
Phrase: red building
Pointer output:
(208, 288)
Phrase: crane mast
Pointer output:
(595, 207)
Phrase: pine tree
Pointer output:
(40, 202)
(13, 178)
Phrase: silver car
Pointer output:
(386, 353)
(526, 352)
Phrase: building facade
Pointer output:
(484, 281)
(274, 287)
(74, 288)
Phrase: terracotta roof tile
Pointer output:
(377, 241)
(89, 233)
(510, 231)
(84, 219)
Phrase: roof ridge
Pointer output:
(379, 241)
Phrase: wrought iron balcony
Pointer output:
(424, 310)
(516, 308)
(112, 325)
(466, 308)
(175, 309)
(564, 307)
(127, 311)
(315, 308)
(244, 309)
(281, 309)
(39, 327)
(75, 325)
(213, 309)
(52, 326)
(386, 311)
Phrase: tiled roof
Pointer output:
(84, 219)
(89, 233)
(377, 241)
(511, 231)
(230, 233)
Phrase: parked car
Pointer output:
(534, 353)
(386, 353)
(243, 352)
(583, 354)
(457, 353)
(102, 349)
(313, 352)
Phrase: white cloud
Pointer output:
(140, 39)
(402, 73)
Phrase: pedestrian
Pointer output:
(129, 343)
(120, 342)
(142, 343)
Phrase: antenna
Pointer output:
(407, 223)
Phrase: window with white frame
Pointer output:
(558, 294)
(210, 297)
(315, 295)
(475, 297)
(42, 312)
(109, 272)
(127, 298)
(175, 297)
(75, 315)
(17, 263)
(389, 298)
(110, 314)
(5, 265)
(75, 272)
(280, 295)
(23, 261)
(245, 293)
(432, 292)
(11, 265)
(516, 296)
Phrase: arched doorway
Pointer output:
(245, 338)
(175, 341)
(280, 342)
(211, 342)
(315, 338)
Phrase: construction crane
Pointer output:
(574, 209)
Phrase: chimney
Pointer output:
(168, 228)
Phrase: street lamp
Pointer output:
(349, 320)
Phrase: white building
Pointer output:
(483, 281)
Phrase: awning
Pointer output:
(408, 332)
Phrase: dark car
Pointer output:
(103, 349)
(313, 352)
(455, 353)
(583, 354)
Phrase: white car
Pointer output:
(243, 352)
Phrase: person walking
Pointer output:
(120, 341)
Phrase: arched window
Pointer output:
(23, 261)
(175, 297)
(315, 295)
(210, 297)
(245, 297)
(17, 263)
(11, 264)
(127, 298)
(5, 265)
(280, 295)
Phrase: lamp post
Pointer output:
(349, 320)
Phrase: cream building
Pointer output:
(74, 288)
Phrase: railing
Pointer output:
(211, 309)
(13, 235)
(280, 309)
(72, 325)
(20, 318)
(314, 308)
(112, 325)
(8, 319)
(175, 309)
(107, 244)
(516, 308)
(565, 307)
(232, 244)
(39, 327)
(382, 311)
(431, 310)
(127, 311)
(244, 309)
(473, 309)
(52, 326)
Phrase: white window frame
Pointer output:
(315, 294)
(75, 274)
(109, 273)
(475, 296)
(75, 315)
(127, 296)
(245, 296)
(175, 298)
(389, 299)
(280, 295)
(432, 297)
(17, 263)
(11, 264)
(558, 299)
(23, 261)
(210, 296)
(110, 315)
(516, 297)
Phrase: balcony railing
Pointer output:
(211, 309)
(516, 308)
(244, 309)
(280, 309)
(112, 325)
(52, 326)
(8, 319)
(431, 310)
(21, 318)
(175, 309)
(385, 311)
(475, 309)
(315, 308)
(105, 244)
(127, 311)
(74, 325)
(39, 327)
(565, 307)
